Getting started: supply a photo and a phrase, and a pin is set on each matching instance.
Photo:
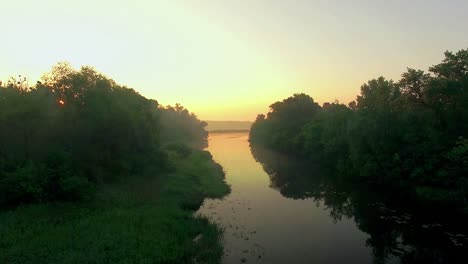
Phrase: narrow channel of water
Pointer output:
(280, 212)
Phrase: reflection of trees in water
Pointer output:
(394, 236)
(287, 174)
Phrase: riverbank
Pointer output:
(287, 210)
(144, 220)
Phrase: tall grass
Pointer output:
(144, 220)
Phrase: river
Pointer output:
(283, 211)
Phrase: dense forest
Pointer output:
(76, 129)
(409, 136)
(80, 154)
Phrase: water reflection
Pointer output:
(263, 226)
(397, 232)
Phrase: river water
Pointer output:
(284, 211)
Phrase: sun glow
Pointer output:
(227, 59)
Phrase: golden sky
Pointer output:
(229, 60)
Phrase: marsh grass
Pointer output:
(145, 220)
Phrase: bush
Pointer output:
(54, 179)
(180, 149)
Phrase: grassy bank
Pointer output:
(144, 220)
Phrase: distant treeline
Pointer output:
(217, 126)
(229, 131)
(77, 128)
(411, 135)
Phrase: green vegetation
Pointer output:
(181, 126)
(409, 135)
(93, 172)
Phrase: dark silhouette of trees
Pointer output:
(76, 129)
(178, 125)
(287, 117)
(410, 135)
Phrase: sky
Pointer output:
(229, 60)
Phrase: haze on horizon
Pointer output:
(228, 60)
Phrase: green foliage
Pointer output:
(139, 220)
(178, 125)
(93, 172)
(101, 130)
(179, 149)
(287, 118)
(53, 179)
(77, 129)
(326, 135)
(408, 135)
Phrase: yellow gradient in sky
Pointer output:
(229, 60)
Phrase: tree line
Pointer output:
(76, 129)
(410, 135)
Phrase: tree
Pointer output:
(409, 135)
